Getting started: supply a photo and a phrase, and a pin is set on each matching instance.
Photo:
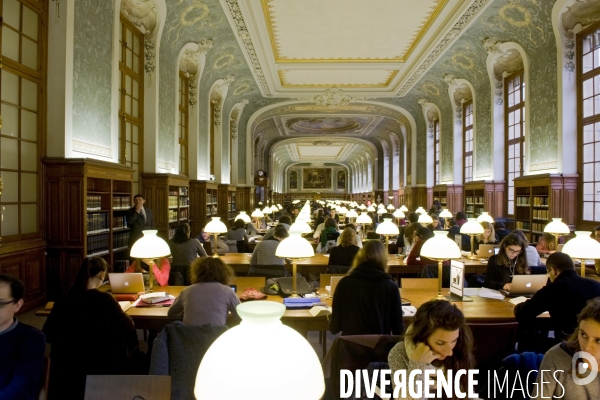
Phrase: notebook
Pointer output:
(487, 250)
(526, 285)
(126, 283)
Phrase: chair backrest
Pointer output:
(232, 246)
(241, 246)
(184, 271)
(490, 353)
(45, 382)
(149, 387)
(419, 283)
(325, 279)
(268, 271)
(332, 236)
(330, 245)
(208, 248)
(243, 282)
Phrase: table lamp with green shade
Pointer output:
(149, 247)
(557, 228)
(440, 248)
(582, 247)
(387, 228)
(260, 329)
(472, 228)
(215, 227)
(296, 248)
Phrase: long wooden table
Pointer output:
(240, 262)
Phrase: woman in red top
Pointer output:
(161, 270)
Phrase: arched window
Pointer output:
(468, 141)
(184, 99)
(588, 77)
(514, 94)
(436, 143)
(131, 104)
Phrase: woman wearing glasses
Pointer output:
(509, 261)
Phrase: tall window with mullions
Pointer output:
(588, 77)
(514, 95)
(22, 79)
(468, 141)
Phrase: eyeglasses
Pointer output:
(5, 303)
(511, 251)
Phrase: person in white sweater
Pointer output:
(560, 382)
(438, 339)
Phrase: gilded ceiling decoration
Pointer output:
(324, 125)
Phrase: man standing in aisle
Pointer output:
(139, 219)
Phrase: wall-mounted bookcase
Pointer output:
(168, 197)
(227, 204)
(204, 204)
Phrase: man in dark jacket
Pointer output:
(564, 298)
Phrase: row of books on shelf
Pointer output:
(540, 201)
(211, 210)
(475, 200)
(177, 201)
(97, 245)
(178, 216)
(94, 202)
(523, 225)
(119, 222)
(121, 202)
(538, 227)
(97, 222)
(441, 199)
(541, 214)
(232, 207)
(211, 198)
(522, 201)
(120, 240)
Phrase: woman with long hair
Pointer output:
(183, 248)
(546, 244)
(487, 237)
(438, 339)
(569, 370)
(367, 301)
(81, 325)
(209, 299)
(509, 261)
(344, 253)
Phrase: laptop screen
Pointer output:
(496, 250)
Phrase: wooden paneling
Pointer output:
(198, 204)
(454, 198)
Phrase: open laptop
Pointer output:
(487, 250)
(560, 247)
(126, 283)
(526, 285)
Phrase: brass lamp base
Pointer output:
(294, 294)
(472, 256)
(439, 297)
(215, 254)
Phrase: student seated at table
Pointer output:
(89, 334)
(161, 269)
(438, 339)
(251, 229)
(367, 301)
(509, 261)
(183, 248)
(547, 244)
(285, 220)
(264, 252)
(209, 299)
(422, 234)
(22, 347)
(330, 232)
(487, 237)
(564, 297)
(344, 253)
(559, 381)
(531, 254)
(238, 232)
(221, 247)
(435, 224)
(358, 239)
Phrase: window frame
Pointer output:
(521, 140)
(436, 151)
(581, 121)
(466, 128)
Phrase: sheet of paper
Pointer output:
(409, 311)
(491, 294)
(517, 300)
(471, 291)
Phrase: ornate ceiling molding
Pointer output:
(236, 15)
(492, 46)
(441, 47)
(333, 98)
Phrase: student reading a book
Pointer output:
(344, 253)
(559, 360)
(209, 299)
(509, 261)
(438, 339)
(367, 301)
(89, 334)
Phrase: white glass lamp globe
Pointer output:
(403, 208)
(485, 217)
(219, 378)
(244, 217)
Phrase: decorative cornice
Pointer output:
(450, 79)
(333, 98)
(83, 146)
(149, 53)
(217, 111)
(464, 20)
(236, 14)
(492, 46)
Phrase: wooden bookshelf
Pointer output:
(203, 206)
(474, 194)
(168, 197)
(227, 203)
(86, 208)
(539, 198)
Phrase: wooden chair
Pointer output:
(268, 271)
(45, 382)
(148, 387)
(493, 342)
(419, 283)
(244, 282)
(325, 279)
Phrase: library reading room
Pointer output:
(303, 200)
